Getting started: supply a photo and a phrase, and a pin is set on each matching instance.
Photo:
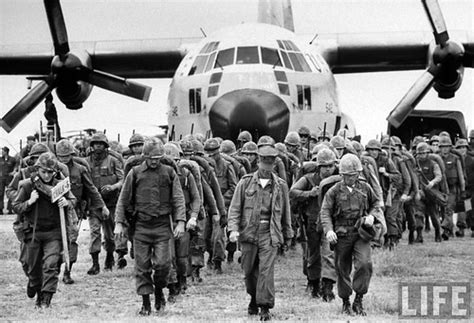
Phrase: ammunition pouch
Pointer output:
(18, 228)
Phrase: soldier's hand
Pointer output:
(216, 218)
(106, 189)
(314, 191)
(234, 235)
(191, 225)
(179, 230)
(430, 185)
(33, 197)
(369, 220)
(119, 230)
(404, 198)
(62, 202)
(331, 236)
(105, 212)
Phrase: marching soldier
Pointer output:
(259, 217)
(7, 166)
(151, 201)
(83, 190)
(107, 176)
(348, 213)
(43, 234)
(227, 182)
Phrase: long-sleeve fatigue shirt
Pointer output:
(246, 206)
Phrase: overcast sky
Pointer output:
(368, 98)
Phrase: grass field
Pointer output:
(110, 296)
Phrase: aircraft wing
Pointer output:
(129, 59)
(379, 52)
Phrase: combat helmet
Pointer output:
(350, 164)
(422, 147)
(244, 136)
(64, 148)
(228, 147)
(445, 141)
(374, 144)
(171, 150)
(47, 161)
(99, 137)
(136, 139)
(153, 148)
(250, 148)
(325, 157)
(292, 138)
(38, 149)
(266, 141)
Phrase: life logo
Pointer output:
(434, 300)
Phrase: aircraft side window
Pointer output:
(286, 60)
(304, 97)
(270, 56)
(210, 62)
(225, 57)
(194, 101)
(280, 44)
(296, 63)
(204, 50)
(280, 76)
(314, 63)
(210, 47)
(284, 89)
(247, 55)
(199, 64)
(292, 46)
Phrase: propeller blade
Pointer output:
(413, 97)
(25, 105)
(115, 84)
(57, 27)
(435, 16)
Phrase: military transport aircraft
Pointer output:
(258, 77)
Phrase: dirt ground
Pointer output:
(110, 296)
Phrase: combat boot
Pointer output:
(265, 313)
(309, 287)
(30, 291)
(67, 278)
(445, 235)
(253, 307)
(437, 236)
(218, 267)
(411, 237)
(357, 305)
(327, 292)
(109, 261)
(419, 235)
(195, 275)
(39, 297)
(121, 261)
(182, 284)
(46, 299)
(173, 293)
(146, 306)
(315, 291)
(160, 301)
(460, 233)
(95, 269)
(346, 306)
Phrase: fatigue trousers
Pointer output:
(197, 245)
(448, 211)
(152, 257)
(179, 251)
(393, 218)
(110, 244)
(215, 240)
(319, 260)
(350, 248)
(43, 257)
(429, 207)
(258, 264)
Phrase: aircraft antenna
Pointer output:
(312, 40)
(202, 30)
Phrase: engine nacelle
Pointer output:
(74, 94)
(70, 91)
(447, 87)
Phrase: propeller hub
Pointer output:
(451, 52)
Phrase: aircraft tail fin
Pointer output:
(276, 12)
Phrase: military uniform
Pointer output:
(105, 170)
(155, 197)
(262, 217)
(7, 166)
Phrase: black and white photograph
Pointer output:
(236, 160)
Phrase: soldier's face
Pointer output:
(98, 147)
(445, 150)
(435, 146)
(45, 175)
(137, 149)
(266, 163)
(374, 153)
(250, 157)
(350, 179)
(326, 170)
(153, 162)
(65, 159)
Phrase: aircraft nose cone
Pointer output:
(257, 111)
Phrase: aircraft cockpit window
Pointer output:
(225, 57)
(299, 62)
(198, 65)
(210, 47)
(286, 60)
(280, 44)
(289, 45)
(210, 62)
(247, 55)
(270, 56)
